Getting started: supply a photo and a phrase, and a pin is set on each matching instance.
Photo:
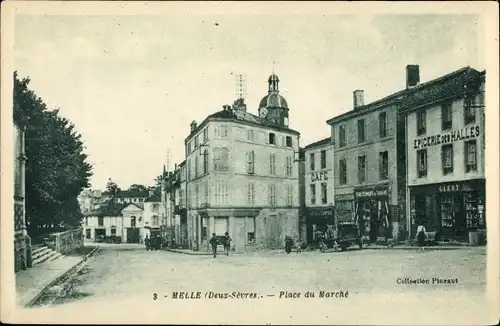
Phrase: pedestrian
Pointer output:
(157, 242)
(421, 236)
(227, 243)
(213, 242)
(147, 242)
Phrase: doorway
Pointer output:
(132, 235)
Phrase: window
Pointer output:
(250, 135)
(221, 159)
(272, 138)
(196, 169)
(384, 165)
(155, 207)
(133, 221)
(189, 147)
(471, 156)
(100, 221)
(88, 233)
(86, 220)
(250, 226)
(205, 161)
(343, 171)
(205, 135)
(446, 116)
(251, 194)
(382, 124)
(203, 228)
(156, 220)
(311, 162)
(323, 159)
(470, 109)
(422, 163)
(324, 198)
(197, 195)
(196, 141)
(289, 142)
(313, 194)
(272, 164)
(421, 122)
(224, 131)
(361, 168)
(289, 166)
(251, 162)
(205, 193)
(272, 194)
(447, 158)
(189, 170)
(342, 136)
(113, 231)
(289, 195)
(361, 131)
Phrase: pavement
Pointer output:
(32, 282)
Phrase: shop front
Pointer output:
(344, 208)
(451, 209)
(317, 220)
(372, 212)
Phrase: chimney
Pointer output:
(359, 98)
(193, 125)
(412, 76)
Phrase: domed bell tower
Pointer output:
(273, 107)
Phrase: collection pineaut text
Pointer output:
(254, 295)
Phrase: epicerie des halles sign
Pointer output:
(447, 138)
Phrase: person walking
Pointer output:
(227, 243)
(147, 242)
(421, 236)
(213, 242)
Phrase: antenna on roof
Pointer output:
(240, 82)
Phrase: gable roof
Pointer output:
(138, 205)
(318, 143)
(110, 209)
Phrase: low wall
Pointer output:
(65, 242)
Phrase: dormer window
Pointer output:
(272, 138)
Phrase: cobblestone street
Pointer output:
(130, 274)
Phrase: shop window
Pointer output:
(289, 142)
(422, 163)
(343, 171)
(250, 230)
(421, 122)
(324, 197)
(272, 138)
(342, 141)
(313, 194)
(323, 159)
(447, 211)
(88, 233)
(311, 162)
(384, 165)
(447, 158)
(472, 217)
(251, 162)
(470, 110)
(272, 164)
(446, 116)
(382, 124)
(100, 221)
(361, 130)
(471, 156)
(361, 168)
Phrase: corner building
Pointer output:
(242, 175)
(446, 176)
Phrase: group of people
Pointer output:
(153, 243)
(226, 241)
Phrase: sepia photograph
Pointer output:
(249, 163)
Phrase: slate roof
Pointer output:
(132, 194)
(422, 94)
(111, 209)
(318, 143)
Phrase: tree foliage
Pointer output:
(57, 169)
(111, 188)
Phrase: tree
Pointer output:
(111, 188)
(137, 188)
(57, 169)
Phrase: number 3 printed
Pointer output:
(155, 296)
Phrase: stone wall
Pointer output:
(65, 242)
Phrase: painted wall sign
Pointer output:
(447, 138)
(345, 197)
(368, 193)
(319, 176)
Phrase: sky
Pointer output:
(133, 84)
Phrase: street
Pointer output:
(130, 274)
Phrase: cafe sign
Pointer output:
(447, 138)
(319, 176)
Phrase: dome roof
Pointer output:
(273, 100)
(273, 77)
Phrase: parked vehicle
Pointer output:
(345, 235)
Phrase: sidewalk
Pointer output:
(31, 283)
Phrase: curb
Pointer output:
(62, 276)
